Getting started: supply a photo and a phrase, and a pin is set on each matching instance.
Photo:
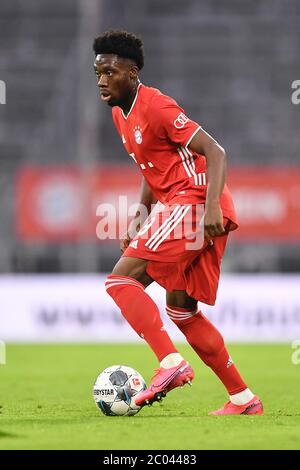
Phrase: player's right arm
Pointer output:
(146, 200)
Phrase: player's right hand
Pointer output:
(213, 222)
(124, 241)
(131, 232)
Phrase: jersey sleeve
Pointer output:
(171, 121)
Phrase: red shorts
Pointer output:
(179, 258)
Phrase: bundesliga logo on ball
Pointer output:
(115, 390)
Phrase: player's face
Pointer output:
(115, 78)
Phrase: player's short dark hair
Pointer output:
(121, 43)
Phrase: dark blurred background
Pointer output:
(230, 65)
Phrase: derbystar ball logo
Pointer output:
(138, 135)
(103, 392)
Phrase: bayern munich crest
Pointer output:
(138, 135)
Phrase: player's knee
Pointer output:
(181, 299)
(134, 268)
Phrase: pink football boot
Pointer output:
(253, 407)
(164, 381)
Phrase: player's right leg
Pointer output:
(126, 285)
(209, 344)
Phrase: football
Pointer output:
(115, 389)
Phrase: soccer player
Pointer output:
(183, 168)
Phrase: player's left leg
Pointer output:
(209, 344)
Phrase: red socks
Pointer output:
(208, 343)
(141, 313)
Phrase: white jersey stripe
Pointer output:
(190, 167)
(190, 159)
(177, 208)
(171, 228)
(184, 163)
(189, 156)
(165, 227)
(176, 222)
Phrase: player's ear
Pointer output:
(134, 72)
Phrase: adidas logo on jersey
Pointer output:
(134, 244)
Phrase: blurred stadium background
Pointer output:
(231, 66)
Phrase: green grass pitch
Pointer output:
(46, 401)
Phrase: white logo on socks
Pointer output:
(229, 363)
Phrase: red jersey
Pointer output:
(156, 134)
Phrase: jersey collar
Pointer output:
(133, 103)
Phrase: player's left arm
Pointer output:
(215, 156)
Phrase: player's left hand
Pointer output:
(213, 222)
